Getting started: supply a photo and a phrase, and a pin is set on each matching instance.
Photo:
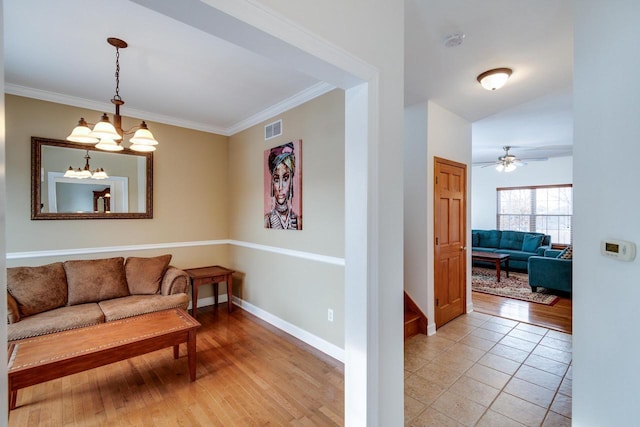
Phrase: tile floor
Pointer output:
(482, 370)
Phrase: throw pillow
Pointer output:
(531, 242)
(95, 280)
(37, 289)
(567, 253)
(145, 274)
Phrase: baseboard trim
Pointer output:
(207, 301)
(469, 307)
(314, 341)
(431, 329)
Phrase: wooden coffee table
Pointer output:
(496, 258)
(39, 359)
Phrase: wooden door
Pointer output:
(450, 214)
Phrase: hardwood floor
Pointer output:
(557, 316)
(248, 373)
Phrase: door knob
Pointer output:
(463, 248)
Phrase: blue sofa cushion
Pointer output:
(475, 239)
(489, 238)
(511, 240)
(531, 242)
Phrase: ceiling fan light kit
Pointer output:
(109, 136)
(494, 79)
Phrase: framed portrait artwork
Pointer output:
(283, 186)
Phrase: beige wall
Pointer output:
(299, 291)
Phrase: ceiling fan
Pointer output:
(509, 162)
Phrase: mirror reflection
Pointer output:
(77, 181)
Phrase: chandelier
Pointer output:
(109, 136)
(86, 172)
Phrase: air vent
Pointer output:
(272, 130)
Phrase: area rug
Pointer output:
(516, 286)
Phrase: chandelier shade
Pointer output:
(108, 136)
(108, 144)
(104, 129)
(82, 133)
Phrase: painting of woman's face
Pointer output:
(283, 186)
(281, 183)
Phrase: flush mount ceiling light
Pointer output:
(109, 136)
(99, 173)
(494, 79)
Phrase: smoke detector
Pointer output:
(453, 40)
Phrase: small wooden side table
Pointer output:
(212, 275)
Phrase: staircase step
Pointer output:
(411, 324)
(415, 322)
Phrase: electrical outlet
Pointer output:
(330, 315)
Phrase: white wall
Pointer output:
(417, 247)
(606, 202)
(485, 180)
(430, 131)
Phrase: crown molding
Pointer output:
(279, 108)
(300, 98)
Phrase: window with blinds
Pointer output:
(543, 209)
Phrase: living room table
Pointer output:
(493, 257)
(47, 357)
(206, 276)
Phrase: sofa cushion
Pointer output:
(95, 280)
(59, 319)
(133, 305)
(516, 255)
(475, 239)
(489, 238)
(145, 274)
(567, 253)
(511, 240)
(531, 242)
(37, 289)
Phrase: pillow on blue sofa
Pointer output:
(475, 239)
(567, 253)
(531, 242)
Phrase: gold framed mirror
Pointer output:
(124, 191)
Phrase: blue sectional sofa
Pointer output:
(520, 245)
(551, 271)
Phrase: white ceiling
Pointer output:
(177, 74)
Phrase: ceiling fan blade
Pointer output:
(484, 164)
(533, 159)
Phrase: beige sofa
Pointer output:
(72, 294)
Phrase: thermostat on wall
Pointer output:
(619, 249)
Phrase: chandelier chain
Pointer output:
(117, 95)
